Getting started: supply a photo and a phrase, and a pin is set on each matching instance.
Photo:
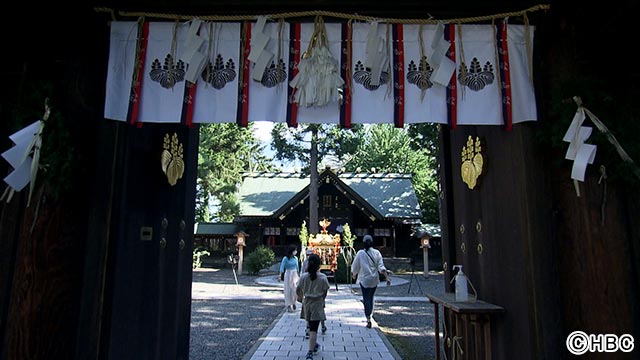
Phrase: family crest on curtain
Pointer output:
(376, 72)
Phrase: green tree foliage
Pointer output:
(385, 148)
(335, 145)
(226, 150)
(424, 138)
(261, 258)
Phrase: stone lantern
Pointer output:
(424, 241)
(240, 244)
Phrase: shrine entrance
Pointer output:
(142, 254)
(105, 272)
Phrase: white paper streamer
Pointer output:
(585, 155)
(442, 65)
(581, 153)
(258, 55)
(192, 54)
(28, 142)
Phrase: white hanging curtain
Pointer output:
(216, 95)
(392, 73)
(418, 69)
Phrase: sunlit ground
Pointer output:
(216, 323)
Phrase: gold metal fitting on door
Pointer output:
(171, 158)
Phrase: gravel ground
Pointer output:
(409, 325)
(227, 329)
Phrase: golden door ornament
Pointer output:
(472, 162)
(172, 163)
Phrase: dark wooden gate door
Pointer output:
(499, 231)
(148, 296)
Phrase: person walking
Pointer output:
(304, 269)
(289, 273)
(312, 290)
(366, 267)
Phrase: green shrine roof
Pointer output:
(390, 195)
(217, 228)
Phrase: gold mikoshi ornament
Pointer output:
(472, 162)
(172, 163)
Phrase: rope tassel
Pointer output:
(318, 78)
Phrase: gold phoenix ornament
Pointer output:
(172, 163)
(472, 162)
(324, 224)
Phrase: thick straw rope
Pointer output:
(324, 13)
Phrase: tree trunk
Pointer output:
(313, 186)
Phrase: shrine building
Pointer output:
(274, 205)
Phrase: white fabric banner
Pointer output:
(421, 100)
(122, 53)
(523, 99)
(432, 106)
(162, 89)
(268, 97)
(371, 104)
(163, 74)
(479, 99)
(216, 98)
